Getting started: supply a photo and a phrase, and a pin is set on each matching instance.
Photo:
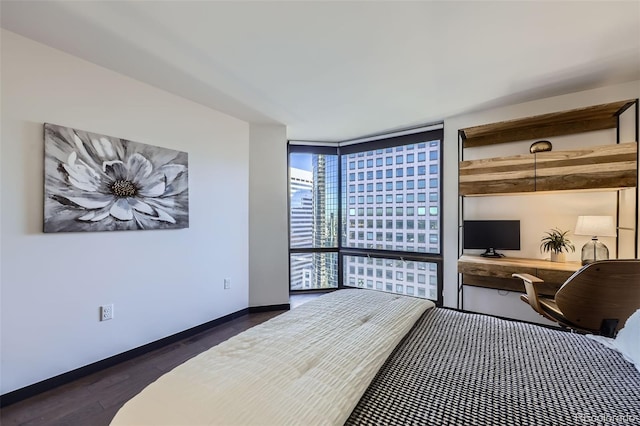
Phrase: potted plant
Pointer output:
(557, 243)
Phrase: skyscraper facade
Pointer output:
(393, 203)
(301, 225)
(325, 215)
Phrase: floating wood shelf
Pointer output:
(580, 120)
(600, 167)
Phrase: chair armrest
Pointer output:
(528, 277)
(532, 295)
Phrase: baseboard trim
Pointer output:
(64, 378)
(269, 308)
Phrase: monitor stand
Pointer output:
(491, 253)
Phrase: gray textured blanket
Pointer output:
(463, 369)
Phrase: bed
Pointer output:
(360, 357)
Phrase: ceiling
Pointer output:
(336, 70)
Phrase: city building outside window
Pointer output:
(333, 226)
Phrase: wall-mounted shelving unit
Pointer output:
(604, 167)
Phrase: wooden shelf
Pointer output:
(611, 166)
(495, 273)
(580, 120)
(597, 168)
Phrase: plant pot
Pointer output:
(558, 257)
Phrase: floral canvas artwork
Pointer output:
(94, 182)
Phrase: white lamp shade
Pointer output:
(596, 226)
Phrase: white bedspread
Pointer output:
(309, 366)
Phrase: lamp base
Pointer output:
(593, 251)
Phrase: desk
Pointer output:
(496, 273)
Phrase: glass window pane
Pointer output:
(313, 190)
(398, 197)
(396, 275)
(314, 271)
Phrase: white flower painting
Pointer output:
(101, 183)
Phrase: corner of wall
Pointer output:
(268, 213)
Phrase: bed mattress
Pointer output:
(309, 366)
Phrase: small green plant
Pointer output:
(556, 241)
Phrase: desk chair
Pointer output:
(596, 299)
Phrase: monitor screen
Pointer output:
(491, 235)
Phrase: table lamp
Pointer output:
(596, 226)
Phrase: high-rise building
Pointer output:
(301, 225)
(325, 215)
(393, 203)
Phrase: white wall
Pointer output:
(161, 282)
(268, 213)
(537, 212)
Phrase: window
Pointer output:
(383, 207)
(392, 276)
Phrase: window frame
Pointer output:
(386, 144)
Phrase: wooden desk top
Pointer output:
(496, 273)
(520, 262)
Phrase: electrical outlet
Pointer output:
(227, 283)
(106, 312)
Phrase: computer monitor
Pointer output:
(491, 235)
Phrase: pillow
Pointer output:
(626, 342)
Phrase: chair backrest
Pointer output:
(607, 289)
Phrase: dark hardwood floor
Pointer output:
(94, 400)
